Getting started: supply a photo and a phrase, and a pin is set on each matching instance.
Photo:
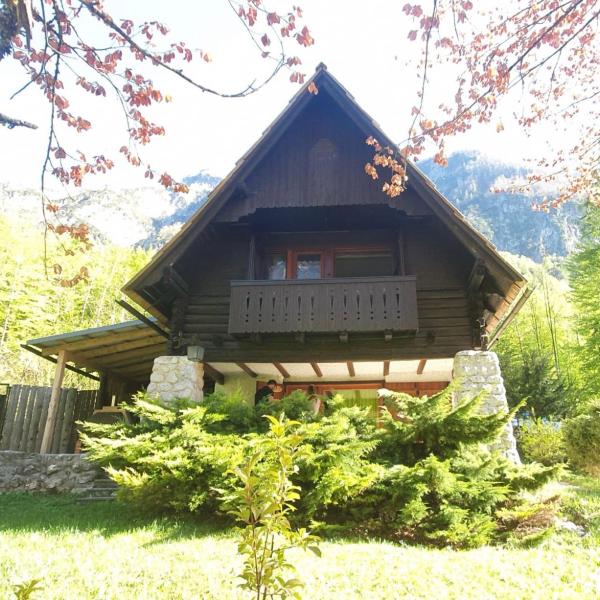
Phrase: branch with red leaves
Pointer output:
(545, 51)
(112, 60)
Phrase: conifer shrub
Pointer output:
(541, 441)
(582, 440)
(420, 473)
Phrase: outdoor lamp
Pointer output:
(195, 353)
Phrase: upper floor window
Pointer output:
(277, 266)
(329, 262)
(308, 266)
(363, 264)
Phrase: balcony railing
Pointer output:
(356, 304)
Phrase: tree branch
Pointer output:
(12, 123)
(156, 60)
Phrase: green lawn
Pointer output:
(106, 551)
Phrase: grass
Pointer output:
(107, 551)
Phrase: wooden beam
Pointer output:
(386, 368)
(59, 374)
(316, 369)
(133, 371)
(122, 349)
(143, 318)
(121, 359)
(214, 374)
(401, 254)
(244, 367)
(421, 366)
(252, 257)
(54, 360)
(351, 370)
(282, 370)
(476, 277)
(175, 282)
(100, 341)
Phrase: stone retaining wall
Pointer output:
(29, 472)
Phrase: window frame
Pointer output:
(327, 254)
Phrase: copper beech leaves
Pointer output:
(545, 51)
(114, 62)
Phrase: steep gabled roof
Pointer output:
(474, 241)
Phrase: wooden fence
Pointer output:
(26, 412)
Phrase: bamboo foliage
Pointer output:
(33, 305)
(536, 351)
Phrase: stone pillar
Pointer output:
(176, 377)
(478, 371)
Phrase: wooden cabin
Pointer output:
(299, 268)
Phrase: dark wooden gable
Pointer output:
(318, 161)
(308, 162)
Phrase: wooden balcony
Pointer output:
(361, 304)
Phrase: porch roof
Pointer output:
(128, 350)
(347, 372)
(125, 349)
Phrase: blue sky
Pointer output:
(364, 44)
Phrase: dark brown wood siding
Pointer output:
(319, 161)
(439, 263)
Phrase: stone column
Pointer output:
(176, 377)
(478, 371)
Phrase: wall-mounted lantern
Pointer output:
(195, 353)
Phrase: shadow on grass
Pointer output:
(62, 513)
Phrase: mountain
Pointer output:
(506, 219)
(148, 217)
(144, 216)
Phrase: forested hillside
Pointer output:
(506, 219)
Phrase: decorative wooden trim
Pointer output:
(282, 370)
(351, 370)
(316, 369)
(214, 374)
(244, 367)
(421, 366)
(386, 368)
(59, 374)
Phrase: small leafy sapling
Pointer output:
(263, 503)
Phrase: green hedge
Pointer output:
(425, 478)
